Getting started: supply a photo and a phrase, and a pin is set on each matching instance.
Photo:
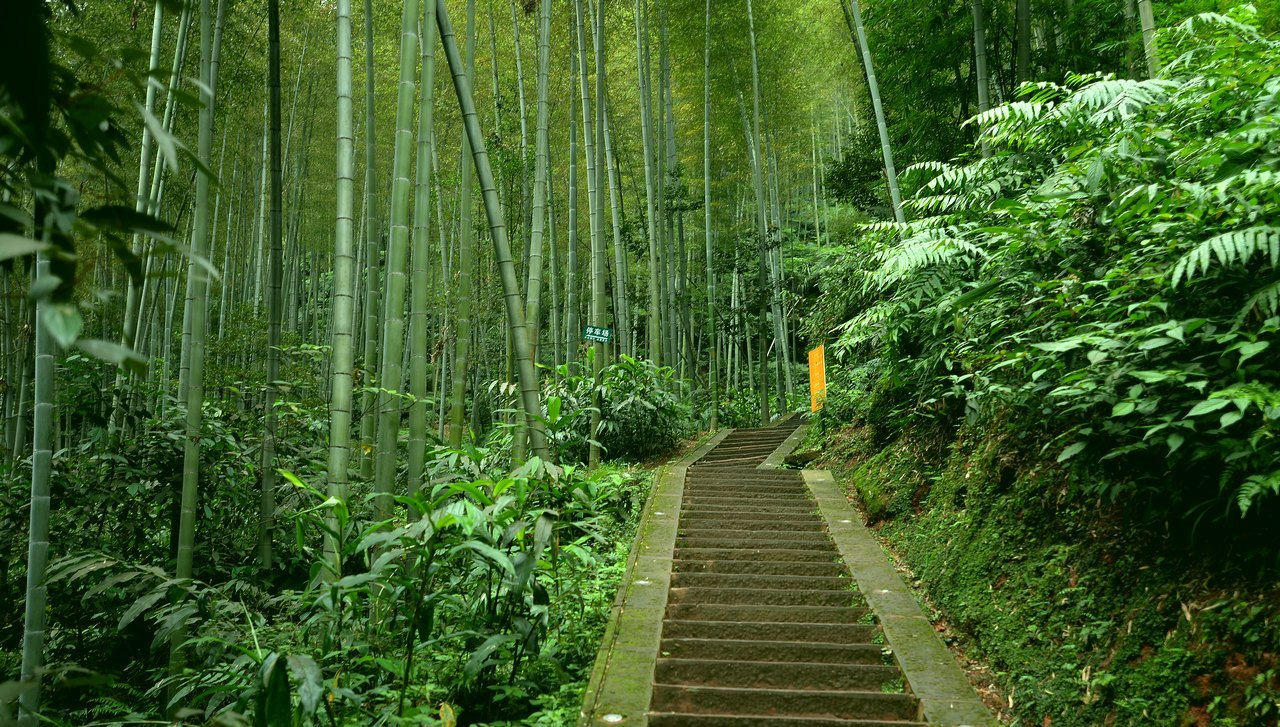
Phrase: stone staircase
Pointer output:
(763, 623)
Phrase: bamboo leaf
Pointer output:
(13, 246)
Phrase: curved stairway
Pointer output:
(763, 623)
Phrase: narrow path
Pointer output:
(739, 609)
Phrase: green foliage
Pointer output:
(1082, 616)
(641, 412)
(487, 595)
(1111, 266)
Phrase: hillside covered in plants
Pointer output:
(341, 342)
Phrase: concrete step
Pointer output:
(761, 568)
(748, 536)
(770, 631)
(800, 652)
(677, 719)
(763, 597)
(727, 483)
(775, 675)
(764, 614)
(780, 541)
(699, 524)
(781, 498)
(792, 555)
(767, 702)
(754, 518)
(731, 505)
(759, 581)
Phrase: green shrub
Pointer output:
(1112, 268)
(641, 414)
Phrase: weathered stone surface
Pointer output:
(763, 597)
(669, 719)
(738, 611)
(765, 702)
(775, 675)
(761, 567)
(793, 652)
(761, 582)
(783, 614)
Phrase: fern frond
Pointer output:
(1230, 248)
(1016, 112)
(928, 250)
(920, 169)
(1110, 101)
(1247, 183)
(1266, 301)
(1256, 486)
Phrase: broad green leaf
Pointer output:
(1157, 342)
(1123, 408)
(139, 606)
(1149, 377)
(1174, 441)
(1207, 407)
(164, 141)
(492, 554)
(1071, 451)
(113, 353)
(12, 246)
(480, 655)
(63, 322)
(275, 707)
(307, 674)
(1096, 357)
(1057, 346)
(1229, 418)
(1249, 350)
(43, 286)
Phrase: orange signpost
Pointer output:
(817, 377)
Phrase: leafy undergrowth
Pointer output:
(1086, 613)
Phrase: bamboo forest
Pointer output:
(689, 363)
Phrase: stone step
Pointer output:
(749, 536)
(763, 597)
(802, 652)
(779, 541)
(760, 568)
(775, 675)
(794, 555)
(680, 719)
(733, 489)
(755, 518)
(706, 524)
(699, 474)
(770, 631)
(730, 505)
(752, 498)
(767, 702)
(727, 482)
(764, 614)
(758, 581)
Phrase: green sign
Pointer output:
(596, 333)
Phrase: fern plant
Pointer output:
(1113, 264)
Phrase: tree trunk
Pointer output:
(980, 63)
(466, 261)
(420, 304)
(199, 286)
(275, 263)
(891, 174)
(1148, 19)
(529, 394)
(391, 369)
(713, 363)
(1022, 40)
(372, 257)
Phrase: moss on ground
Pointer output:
(1085, 614)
